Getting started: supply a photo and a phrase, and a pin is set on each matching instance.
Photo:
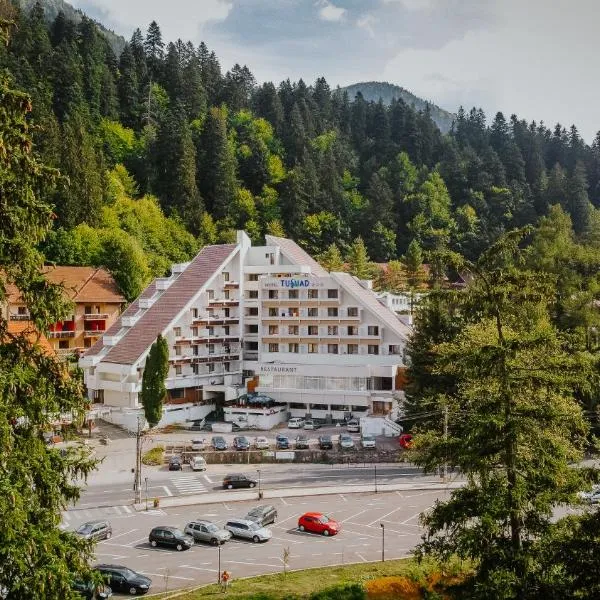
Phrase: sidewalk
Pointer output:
(253, 494)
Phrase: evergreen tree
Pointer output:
(293, 201)
(155, 51)
(154, 391)
(358, 260)
(331, 260)
(578, 203)
(128, 88)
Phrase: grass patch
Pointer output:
(154, 456)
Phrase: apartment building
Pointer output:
(97, 304)
(266, 318)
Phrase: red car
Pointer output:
(318, 523)
(405, 441)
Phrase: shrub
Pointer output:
(350, 591)
(401, 588)
(154, 456)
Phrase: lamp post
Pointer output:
(219, 566)
(382, 542)
(375, 467)
(259, 490)
(146, 482)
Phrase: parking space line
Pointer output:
(356, 515)
(252, 564)
(284, 502)
(386, 515)
(114, 537)
(127, 509)
(360, 534)
(361, 557)
(199, 568)
(343, 498)
(208, 478)
(405, 522)
(167, 490)
(286, 540)
(144, 539)
(163, 574)
(113, 556)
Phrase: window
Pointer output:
(22, 310)
(332, 330)
(226, 312)
(195, 369)
(313, 312)
(211, 367)
(392, 349)
(353, 311)
(225, 276)
(294, 348)
(252, 294)
(211, 348)
(253, 312)
(177, 331)
(293, 294)
(313, 330)
(177, 350)
(332, 348)
(88, 310)
(252, 328)
(332, 312)
(195, 350)
(373, 330)
(273, 329)
(273, 347)
(177, 369)
(194, 332)
(373, 349)
(210, 294)
(313, 348)
(177, 393)
(293, 312)
(293, 330)
(273, 294)
(332, 293)
(63, 344)
(226, 294)
(313, 294)
(352, 330)
(272, 312)
(252, 276)
(195, 313)
(211, 331)
(87, 343)
(226, 330)
(352, 348)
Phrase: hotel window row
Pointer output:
(332, 294)
(335, 330)
(295, 348)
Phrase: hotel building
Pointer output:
(267, 319)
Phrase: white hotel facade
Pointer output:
(268, 319)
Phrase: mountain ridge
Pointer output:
(387, 92)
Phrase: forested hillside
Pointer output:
(388, 92)
(161, 152)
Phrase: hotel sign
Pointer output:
(293, 283)
(277, 369)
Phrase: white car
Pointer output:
(353, 426)
(197, 444)
(261, 443)
(198, 463)
(296, 423)
(368, 441)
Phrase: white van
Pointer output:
(296, 423)
(198, 463)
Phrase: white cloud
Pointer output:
(367, 22)
(330, 12)
(412, 5)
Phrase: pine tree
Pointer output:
(155, 51)
(331, 259)
(154, 391)
(128, 88)
(358, 260)
(578, 203)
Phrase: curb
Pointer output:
(239, 496)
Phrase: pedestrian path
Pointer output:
(72, 518)
(187, 484)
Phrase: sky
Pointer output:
(535, 58)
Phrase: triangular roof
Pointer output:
(295, 254)
(27, 329)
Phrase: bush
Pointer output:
(402, 588)
(154, 456)
(350, 591)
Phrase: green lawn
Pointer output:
(300, 584)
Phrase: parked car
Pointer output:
(95, 530)
(241, 443)
(260, 400)
(89, 591)
(591, 497)
(238, 480)
(263, 515)
(197, 444)
(310, 424)
(198, 463)
(296, 423)
(175, 463)
(249, 530)
(325, 442)
(171, 537)
(318, 523)
(353, 426)
(302, 442)
(283, 443)
(261, 443)
(405, 441)
(206, 531)
(123, 579)
(218, 443)
(368, 441)
(346, 441)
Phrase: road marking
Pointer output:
(199, 568)
(115, 556)
(361, 557)
(343, 498)
(356, 515)
(287, 541)
(114, 537)
(409, 519)
(284, 502)
(386, 515)
(167, 490)
(169, 576)
(208, 478)
(239, 562)
(127, 509)
(226, 507)
(132, 544)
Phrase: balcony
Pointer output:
(19, 316)
(94, 332)
(231, 285)
(222, 303)
(250, 354)
(96, 316)
(60, 334)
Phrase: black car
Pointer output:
(260, 401)
(238, 480)
(241, 443)
(218, 443)
(302, 442)
(122, 579)
(263, 515)
(164, 535)
(283, 443)
(175, 463)
(325, 442)
(89, 591)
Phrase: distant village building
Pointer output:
(97, 305)
(267, 319)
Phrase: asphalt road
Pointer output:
(164, 483)
(359, 541)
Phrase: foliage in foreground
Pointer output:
(153, 381)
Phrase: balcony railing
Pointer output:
(19, 317)
(94, 332)
(61, 334)
(96, 316)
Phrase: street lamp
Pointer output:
(259, 490)
(219, 566)
(146, 481)
(382, 542)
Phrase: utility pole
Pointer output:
(445, 467)
(137, 484)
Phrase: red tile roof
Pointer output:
(156, 319)
(27, 329)
(296, 255)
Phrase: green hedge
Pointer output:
(154, 456)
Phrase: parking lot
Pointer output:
(360, 540)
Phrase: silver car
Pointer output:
(249, 530)
(368, 441)
(346, 441)
(206, 531)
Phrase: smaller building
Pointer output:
(97, 305)
(403, 303)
